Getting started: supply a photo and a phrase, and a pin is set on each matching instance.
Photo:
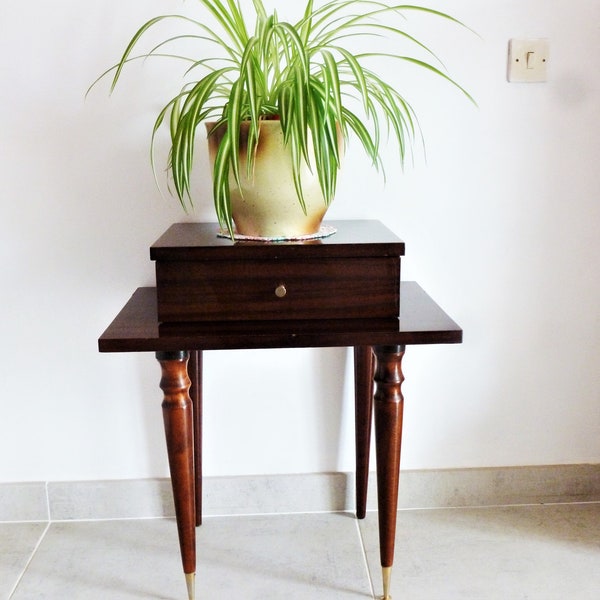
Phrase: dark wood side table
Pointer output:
(379, 344)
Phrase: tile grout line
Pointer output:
(225, 515)
(545, 485)
(48, 511)
(33, 553)
(38, 544)
(365, 559)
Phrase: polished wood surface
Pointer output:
(389, 404)
(203, 277)
(179, 432)
(198, 241)
(331, 292)
(321, 288)
(378, 346)
(364, 362)
(195, 365)
(136, 328)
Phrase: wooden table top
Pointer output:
(198, 241)
(136, 328)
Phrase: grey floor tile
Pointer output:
(23, 502)
(291, 557)
(546, 552)
(17, 543)
(108, 560)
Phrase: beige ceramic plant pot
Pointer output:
(268, 205)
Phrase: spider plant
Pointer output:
(305, 74)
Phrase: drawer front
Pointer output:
(278, 289)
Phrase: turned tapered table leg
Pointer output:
(195, 375)
(388, 437)
(363, 398)
(179, 431)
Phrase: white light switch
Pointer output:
(527, 60)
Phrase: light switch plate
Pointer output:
(527, 60)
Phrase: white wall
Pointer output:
(502, 227)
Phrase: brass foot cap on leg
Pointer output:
(190, 580)
(387, 579)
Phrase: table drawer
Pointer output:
(251, 289)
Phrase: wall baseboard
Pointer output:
(321, 492)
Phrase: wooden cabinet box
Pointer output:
(354, 273)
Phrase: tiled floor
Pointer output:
(544, 552)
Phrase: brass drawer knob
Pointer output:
(280, 291)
